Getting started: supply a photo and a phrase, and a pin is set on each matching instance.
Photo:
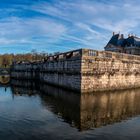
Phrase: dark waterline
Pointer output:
(39, 112)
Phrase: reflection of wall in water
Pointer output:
(23, 87)
(107, 108)
(64, 103)
(88, 110)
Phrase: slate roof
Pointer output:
(114, 40)
(133, 41)
(123, 42)
(137, 41)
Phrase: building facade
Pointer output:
(129, 45)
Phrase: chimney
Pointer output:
(113, 33)
(122, 36)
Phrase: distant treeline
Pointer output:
(7, 59)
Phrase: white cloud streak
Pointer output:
(109, 16)
(18, 31)
(83, 23)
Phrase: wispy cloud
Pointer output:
(60, 25)
(32, 32)
(92, 12)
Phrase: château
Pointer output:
(129, 45)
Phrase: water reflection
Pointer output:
(83, 111)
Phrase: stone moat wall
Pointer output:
(109, 71)
(83, 70)
(61, 70)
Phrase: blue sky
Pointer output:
(62, 25)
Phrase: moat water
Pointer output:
(29, 111)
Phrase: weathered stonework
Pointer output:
(109, 71)
(84, 70)
(62, 70)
